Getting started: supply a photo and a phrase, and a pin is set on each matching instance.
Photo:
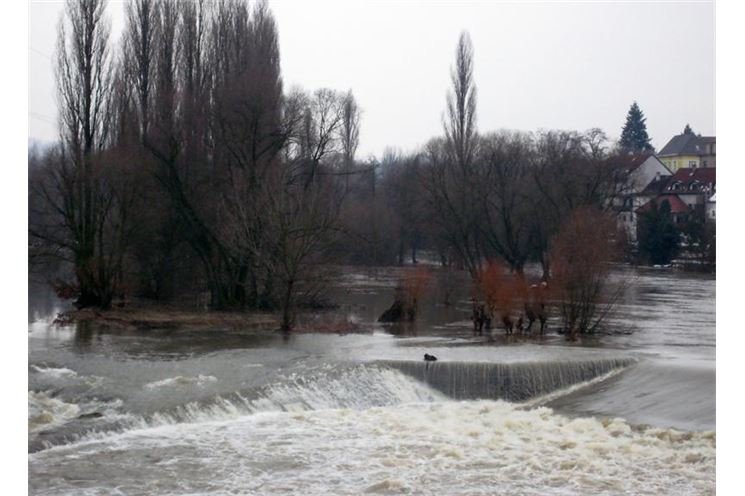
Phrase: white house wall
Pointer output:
(646, 172)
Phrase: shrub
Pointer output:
(581, 254)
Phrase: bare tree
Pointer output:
(249, 135)
(450, 199)
(76, 187)
(581, 253)
(451, 178)
(147, 41)
(507, 194)
(402, 187)
(302, 225)
(139, 40)
(460, 124)
(571, 170)
(318, 136)
(350, 135)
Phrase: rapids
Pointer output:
(231, 412)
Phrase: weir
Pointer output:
(359, 387)
(519, 381)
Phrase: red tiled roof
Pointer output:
(677, 206)
(685, 177)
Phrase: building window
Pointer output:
(692, 164)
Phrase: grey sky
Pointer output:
(538, 65)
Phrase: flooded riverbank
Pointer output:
(246, 411)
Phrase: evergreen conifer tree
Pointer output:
(634, 137)
(659, 239)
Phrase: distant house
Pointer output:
(711, 207)
(679, 211)
(693, 186)
(689, 191)
(655, 188)
(689, 150)
(640, 171)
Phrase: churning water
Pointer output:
(226, 412)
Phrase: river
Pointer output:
(631, 411)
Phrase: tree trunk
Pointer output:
(287, 314)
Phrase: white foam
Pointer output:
(55, 372)
(438, 448)
(358, 388)
(199, 380)
(45, 412)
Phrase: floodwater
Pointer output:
(631, 411)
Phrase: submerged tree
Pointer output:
(188, 136)
(502, 293)
(507, 194)
(634, 137)
(581, 254)
(572, 170)
(242, 189)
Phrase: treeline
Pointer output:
(185, 166)
(183, 161)
(472, 197)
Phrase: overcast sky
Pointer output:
(538, 65)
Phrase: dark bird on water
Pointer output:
(429, 358)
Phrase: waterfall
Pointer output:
(360, 387)
(514, 382)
